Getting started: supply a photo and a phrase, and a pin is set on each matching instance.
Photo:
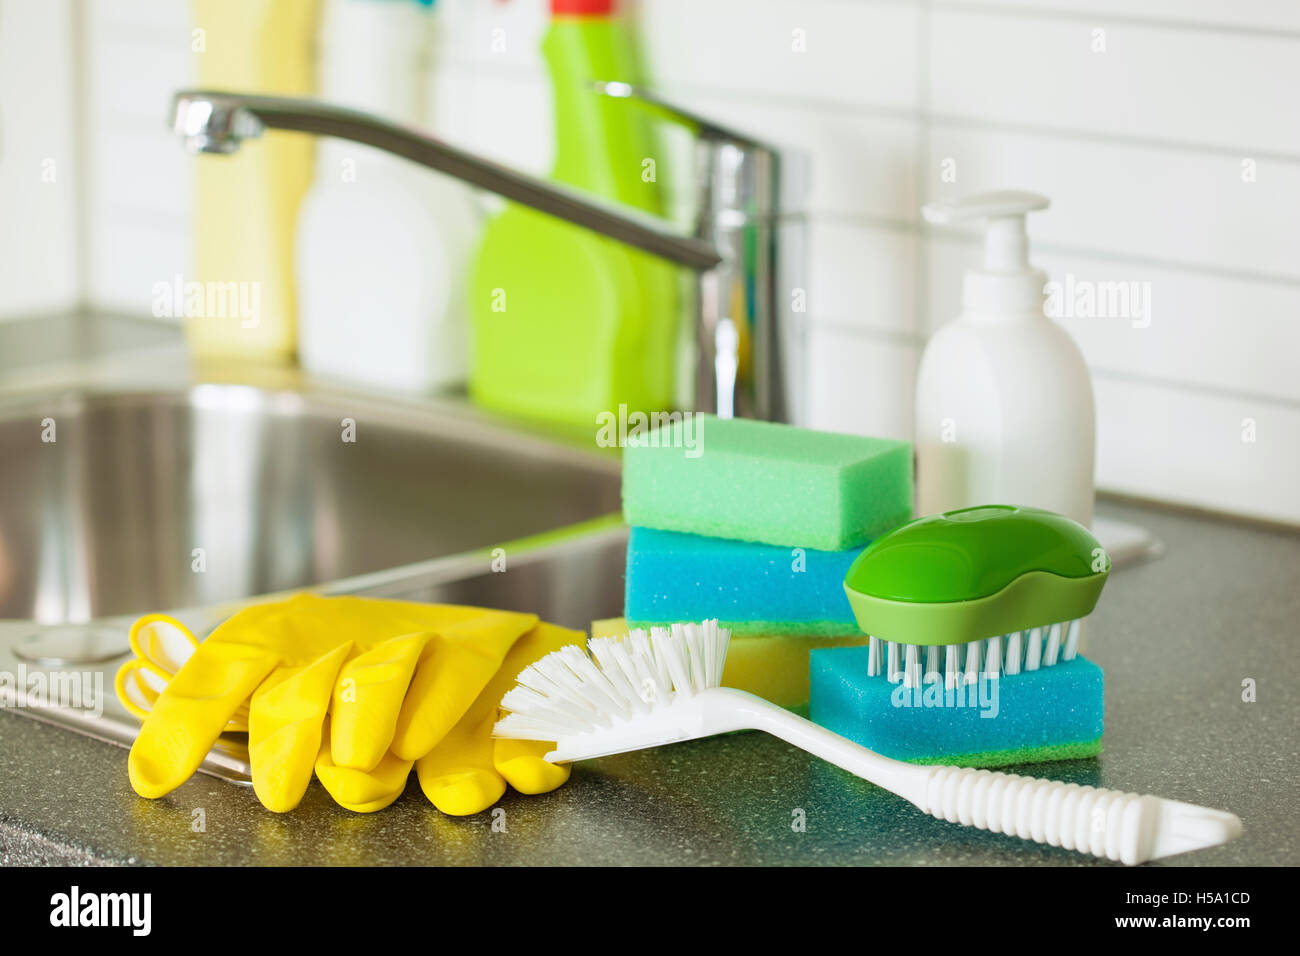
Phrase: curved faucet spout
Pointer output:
(215, 121)
(738, 359)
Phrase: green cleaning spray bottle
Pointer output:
(566, 323)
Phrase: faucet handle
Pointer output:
(737, 345)
(702, 127)
(737, 175)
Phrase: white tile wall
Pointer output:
(1142, 146)
(139, 204)
(1224, 15)
(855, 381)
(1155, 203)
(843, 53)
(1084, 75)
(39, 162)
(862, 276)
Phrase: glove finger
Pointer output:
(523, 765)
(284, 729)
(368, 699)
(191, 712)
(522, 762)
(457, 775)
(139, 682)
(163, 641)
(461, 775)
(362, 791)
(457, 663)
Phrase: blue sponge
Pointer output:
(750, 588)
(1053, 713)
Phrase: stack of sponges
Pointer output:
(755, 524)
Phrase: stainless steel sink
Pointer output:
(195, 498)
(172, 499)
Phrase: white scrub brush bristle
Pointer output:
(569, 692)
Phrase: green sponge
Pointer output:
(758, 481)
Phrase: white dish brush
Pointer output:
(646, 690)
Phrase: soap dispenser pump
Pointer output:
(1004, 406)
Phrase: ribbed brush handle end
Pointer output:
(1125, 827)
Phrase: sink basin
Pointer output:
(207, 494)
(195, 499)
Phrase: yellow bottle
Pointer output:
(247, 203)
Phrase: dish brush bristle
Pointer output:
(575, 691)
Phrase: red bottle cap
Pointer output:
(582, 8)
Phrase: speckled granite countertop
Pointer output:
(1176, 637)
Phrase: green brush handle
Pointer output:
(974, 573)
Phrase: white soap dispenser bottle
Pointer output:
(1004, 407)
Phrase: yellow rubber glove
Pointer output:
(391, 675)
(468, 770)
(363, 791)
(161, 646)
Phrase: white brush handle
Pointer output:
(1117, 826)
(1124, 827)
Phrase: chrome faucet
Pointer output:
(733, 249)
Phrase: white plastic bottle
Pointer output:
(382, 245)
(1004, 406)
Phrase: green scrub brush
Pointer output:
(974, 618)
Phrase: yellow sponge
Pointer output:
(772, 666)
